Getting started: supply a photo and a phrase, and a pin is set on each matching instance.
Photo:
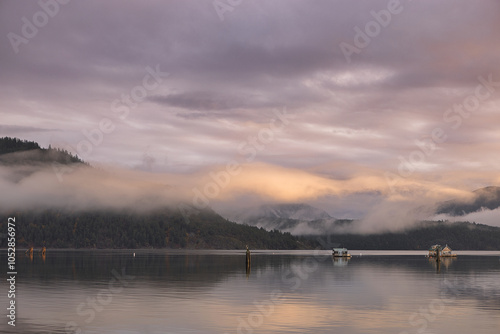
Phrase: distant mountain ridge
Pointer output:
(458, 235)
(484, 198)
(297, 211)
(296, 218)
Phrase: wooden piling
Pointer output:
(248, 261)
(438, 259)
(29, 252)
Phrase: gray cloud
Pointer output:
(227, 78)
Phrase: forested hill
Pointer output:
(10, 145)
(169, 228)
(14, 151)
(459, 236)
(166, 228)
(100, 228)
(485, 198)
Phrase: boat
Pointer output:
(442, 251)
(341, 252)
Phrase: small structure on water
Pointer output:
(438, 250)
(341, 252)
(447, 252)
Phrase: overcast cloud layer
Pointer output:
(270, 89)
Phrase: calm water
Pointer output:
(285, 292)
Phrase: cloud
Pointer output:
(353, 122)
(354, 191)
(485, 216)
(195, 101)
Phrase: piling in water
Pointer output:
(248, 260)
(438, 259)
(30, 251)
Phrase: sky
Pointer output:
(366, 109)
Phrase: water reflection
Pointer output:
(482, 288)
(444, 262)
(248, 262)
(209, 292)
(340, 261)
(32, 254)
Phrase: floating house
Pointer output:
(443, 251)
(341, 252)
(447, 252)
(433, 250)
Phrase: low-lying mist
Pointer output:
(226, 189)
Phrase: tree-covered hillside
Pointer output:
(126, 228)
(14, 151)
(484, 198)
(10, 145)
(165, 228)
(169, 228)
(460, 236)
